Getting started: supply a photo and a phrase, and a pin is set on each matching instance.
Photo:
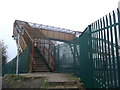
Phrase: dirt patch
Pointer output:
(13, 81)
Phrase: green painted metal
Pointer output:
(118, 61)
(109, 56)
(105, 64)
(23, 67)
(112, 50)
(95, 55)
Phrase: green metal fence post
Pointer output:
(116, 45)
(105, 62)
(90, 57)
(58, 56)
(97, 57)
(102, 54)
(112, 51)
(74, 55)
(109, 56)
(118, 61)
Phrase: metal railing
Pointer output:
(48, 27)
(47, 49)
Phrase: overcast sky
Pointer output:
(70, 14)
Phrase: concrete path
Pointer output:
(58, 81)
(52, 77)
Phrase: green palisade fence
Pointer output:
(23, 67)
(105, 51)
(95, 55)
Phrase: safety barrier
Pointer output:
(23, 66)
(95, 55)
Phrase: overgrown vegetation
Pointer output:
(45, 83)
(14, 81)
(15, 77)
(11, 78)
(3, 50)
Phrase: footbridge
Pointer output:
(40, 39)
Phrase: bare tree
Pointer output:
(4, 52)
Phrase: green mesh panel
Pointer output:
(23, 66)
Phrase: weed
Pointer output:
(14, 77)
(45, 84)
(17, 86)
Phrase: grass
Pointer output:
(20, 81)
(15, 80)
(14, 77)
(45, 84)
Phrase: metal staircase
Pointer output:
(40, 63)
(42, 56)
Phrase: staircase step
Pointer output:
(39, 70)
(63, 83)
(40, 65)
(63, 88)
(42, 69)
(40, 56)
(38, 61)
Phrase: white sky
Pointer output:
(70, 14)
